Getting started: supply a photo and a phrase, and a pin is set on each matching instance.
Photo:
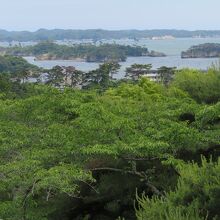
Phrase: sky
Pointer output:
(109, 14)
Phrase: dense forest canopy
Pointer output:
(91, 154)
(98, 34)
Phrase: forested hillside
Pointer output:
(121, 150)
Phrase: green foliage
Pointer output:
(136, 70)
(203, 87)
(196, 196)
(166, 74)
(209, 116)
(81, 154)
(103, 76)
(144, 90)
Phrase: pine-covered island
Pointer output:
(82, 52)
(207, 50)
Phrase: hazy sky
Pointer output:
(109, 14)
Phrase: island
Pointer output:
(207, 50)
(16, 65)
(82, 52)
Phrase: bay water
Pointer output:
(171, 47)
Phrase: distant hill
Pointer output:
(97, 34)
(207, 50)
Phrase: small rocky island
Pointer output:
(82, 52)
(207, 50)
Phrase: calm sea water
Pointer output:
(172, 48)
(157, 62)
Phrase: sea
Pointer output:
(171, 47)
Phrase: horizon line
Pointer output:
(110, 30)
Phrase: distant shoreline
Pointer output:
(54, 59)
